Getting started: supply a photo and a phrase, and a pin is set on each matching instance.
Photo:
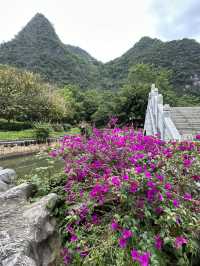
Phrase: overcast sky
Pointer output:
(105, 28)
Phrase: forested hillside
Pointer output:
(182, 57)
(38, 48)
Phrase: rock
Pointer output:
(27, 231)
(7, 175)
(19, 260)
(3, 186)
(23, 191)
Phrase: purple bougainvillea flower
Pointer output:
(140, 203)
(158, 242)
(53, 153)
(70, 229)
(180, 240)
(66, 259)
(114, 225)
(138, 169)
(133, 186)
(127, 233)
(168, 194)
(66, 256)
(117, 166)
(160, 197)
(125, 177)
(159, 210)
(176, 203)
(98, 190)
(148, 174)
(187, 163)
(73, 238)
(151, 193)
(142, 259)
(196, 177)
(95, 219)
(151, 184)
(187, 196)
(135, 254)
(153, 166)
(122, 242)
(198, 137)
(83, 211)
(160, 177)
(84, 253)
(168, 186)
(116, 181)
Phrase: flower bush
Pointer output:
(130, 199)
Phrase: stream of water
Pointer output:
(24, 165)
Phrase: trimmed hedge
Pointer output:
(14, 125)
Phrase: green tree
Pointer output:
(90, 104)
(23, 96)
(106, 108)
(133, 97)
(73, 97)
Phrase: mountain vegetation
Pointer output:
(42, 79)
(25, 97)
(181, 57)
(37, 48)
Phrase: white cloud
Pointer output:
(175, 19)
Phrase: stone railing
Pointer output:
(157, 120)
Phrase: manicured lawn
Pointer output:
(29, 134)
(16, 135)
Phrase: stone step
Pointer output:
(186, 115)
(187, 124)
(184, 121)
(183, 109)
(188, 131)
(189, 128)
(190, 125)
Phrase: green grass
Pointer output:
(16, 135)
(29, 134)
(74, 130)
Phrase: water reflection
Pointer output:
(24, 165)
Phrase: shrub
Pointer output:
(14, 125)
(67, 126)
(42, 131)
(57, 127)
(130, 199)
